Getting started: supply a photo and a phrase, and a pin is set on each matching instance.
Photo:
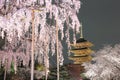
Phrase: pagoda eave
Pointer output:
(81, 59)
(82, 44)
(80, 52)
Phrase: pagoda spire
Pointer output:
(81, 32)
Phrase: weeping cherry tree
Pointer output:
(16, 20)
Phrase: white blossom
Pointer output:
(105, 65)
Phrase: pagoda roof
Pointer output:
(81, 59)
(79, 56)
(81, 40)
(82, 52)
(80, 48)
(82, 44)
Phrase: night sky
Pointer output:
(101, 21)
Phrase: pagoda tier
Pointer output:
(80, 59)
(82, 43)
(81, 51)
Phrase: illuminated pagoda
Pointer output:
(81, 50)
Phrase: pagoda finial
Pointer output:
(81, 32)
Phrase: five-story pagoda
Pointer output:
(81, 50)
(80, 53)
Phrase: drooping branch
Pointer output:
(16, 25)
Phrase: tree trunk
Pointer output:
(32, 47)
